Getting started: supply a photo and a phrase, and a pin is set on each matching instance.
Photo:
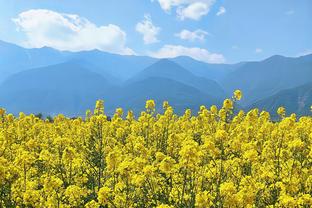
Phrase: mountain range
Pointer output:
(48, 81)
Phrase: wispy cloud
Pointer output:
(69, 32)
(221, 11)
(192, 35)
(187, 9)
(148, 30)
(200, 54)
(259, 50)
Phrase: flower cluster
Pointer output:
(213, 158)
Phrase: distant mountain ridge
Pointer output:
(49, 81)
(169, 69)
(298, 100)
(66, 88)
(259, 80)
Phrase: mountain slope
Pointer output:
(123, 67)
(63, 88)
(180, 96)
(15, 59)
(296, 100)
(258, 80)
(168, 69)
(208, 71)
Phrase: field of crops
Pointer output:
(214, 159)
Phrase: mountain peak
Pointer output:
(275, 57)
(165, 60)
(165, 67)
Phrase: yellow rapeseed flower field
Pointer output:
(213, 159)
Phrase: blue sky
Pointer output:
(213, 31)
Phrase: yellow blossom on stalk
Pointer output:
(74, 195)
(119, 112)
(2, 111)
(228, 104)
(281, 112)
(164, 206)
(150, 105)
(92, 204)
(148, 170)
(251, 155)
(287, 201)
(103, 195)
(221, 134)
(130, 115)
(99, 107)
(227, 189)
(214, 109)
(166, 165)
(237, 94)
(165, 104)
(203, 199)
(88, 114)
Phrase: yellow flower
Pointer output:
(119, 112)
(166, 165)
(103, 195)
(221, 134)
(203, 200)
(150, 105)
(165, 104)
(92, 204)
(164, 206)
(75, 195)
(281, 112)
(251, 155)
(237, 94)
(2, 111)
(99, 107)
(227, 189)
(287, 201)
(228, 104)
(214, 109)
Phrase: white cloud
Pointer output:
(194, 11)
(148, 30)
(187, 9)
(192, 35)
(69, 32)
(200, 54)
(221, 11)
(258, 50)
(305, 52)
(290, 12)
(168, 4)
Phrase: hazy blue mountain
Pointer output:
(122, 67)
(64, 88)
(70, 89)
(181, 96)
(209, 71)
(14, 59)
(51, 81)
(296, 100)
(259, 80)
(169, 69)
